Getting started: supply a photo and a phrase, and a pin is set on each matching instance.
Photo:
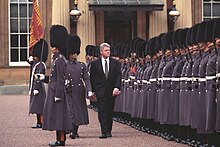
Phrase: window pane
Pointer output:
(30, 10)
(207, 10)
(14, 25)
(207, 19)
(216, 9)
(23, 25)
(14, 40)
(14, 10)
(23, 40)
(23, 10)
(14, 0)
(23, 54)
(22, 0)
(14, 55)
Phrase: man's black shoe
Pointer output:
(103, 136)
(37, 126)
(57, 143)
(109, 135)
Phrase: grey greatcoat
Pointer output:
(195, 90)
(165, 98)
(201, 123)
(175, 91)
(183, 94)
(56, 114)
(77, 89)
(158, 110)
(217, 125)
(211, 92)
(37, 101)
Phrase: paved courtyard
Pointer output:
(16, 131)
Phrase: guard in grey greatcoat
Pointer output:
(56, 110)
(37, 88)
(184, 85)
(164, 99)
(188, 82)
(216, 37)
(77, 86)
(196, 56)
(148, 102)
(210, 79)
(201, 123)
(153, 89)
(178, 38)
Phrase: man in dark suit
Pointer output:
(105, 77)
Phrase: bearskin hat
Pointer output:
(40, 46)
(74, 44)
(59, 38)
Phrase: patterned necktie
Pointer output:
(106, 69)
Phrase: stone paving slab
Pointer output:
(16, 131)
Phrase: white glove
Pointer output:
(30, 59)
(89, 93)
(67, 82)
(35, 92)
(56, 99)
(39, 76)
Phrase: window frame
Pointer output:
(28, 18)
(211, 2)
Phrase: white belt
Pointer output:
(160, 79)
(195, 79)
(202, 79)
(126, 81)
(210, 77)
(153, 80)
(166, 79)
(145, 82)
(175, 79)
(218, 75)
(132, 77)
(183, 79)
(188, 79)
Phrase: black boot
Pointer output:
(39, 124)
(76, 132)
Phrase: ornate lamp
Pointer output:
(75, 13)
(174, 14)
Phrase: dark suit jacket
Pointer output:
(100, 85)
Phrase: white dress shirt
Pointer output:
(103, 63)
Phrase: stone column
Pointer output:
(141, 24)
(85, 28)
(158, 21)
(60, 13)
(4, 51)
(185, 18)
